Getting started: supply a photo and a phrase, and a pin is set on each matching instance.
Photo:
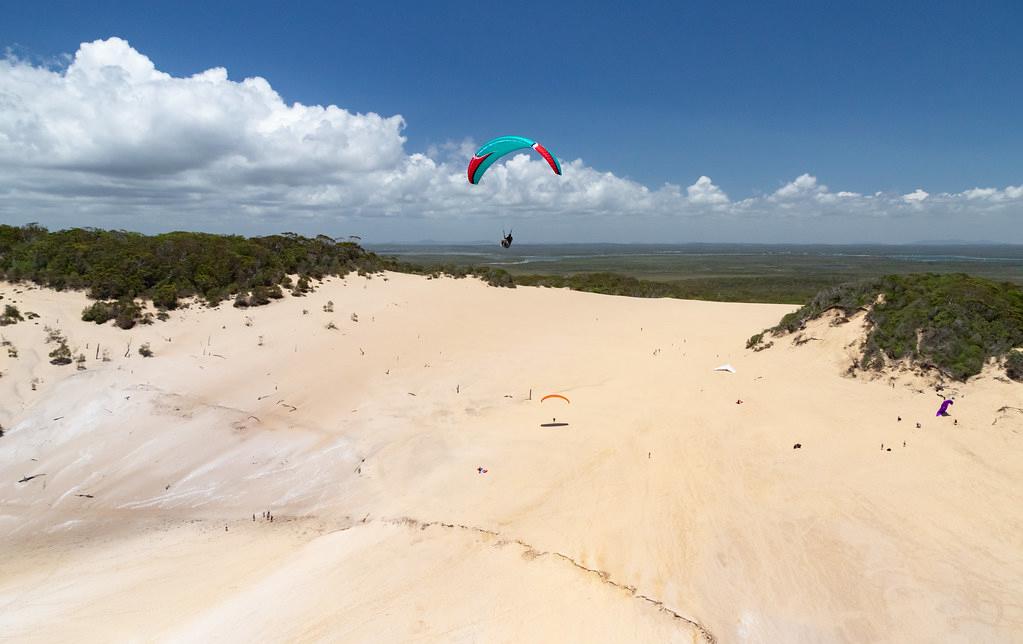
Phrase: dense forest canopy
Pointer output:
(166, 267)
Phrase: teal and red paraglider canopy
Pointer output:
(494, 149)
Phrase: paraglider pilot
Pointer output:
(507, 240)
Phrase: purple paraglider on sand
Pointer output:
(943, 410)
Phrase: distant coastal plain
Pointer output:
(778, 273)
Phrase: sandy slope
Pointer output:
(663, 511)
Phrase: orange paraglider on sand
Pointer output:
(554, 421)
(555, 396)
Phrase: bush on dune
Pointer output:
(125, 313)
(954, 323)
(11, 315)
(61, 354)
(1014, 366)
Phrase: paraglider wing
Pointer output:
(555, 396)
(494, 149)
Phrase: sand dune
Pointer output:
(662, 511)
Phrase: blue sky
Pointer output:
(865, 97)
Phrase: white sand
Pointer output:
(662, 512)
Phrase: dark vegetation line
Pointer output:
(775, 273)
(117, 267)
(952, 322)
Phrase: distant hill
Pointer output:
(958, 242)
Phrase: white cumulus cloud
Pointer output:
(802, 186)
(111, 140)
(1009, 193)
(112, 113)
(705, 192)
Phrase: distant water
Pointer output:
(681, 261)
